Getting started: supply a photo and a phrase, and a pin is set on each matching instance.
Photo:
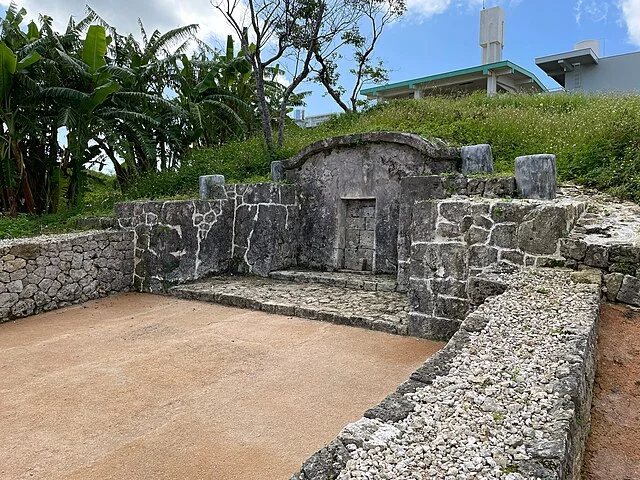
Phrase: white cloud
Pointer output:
(424, 9)
(595, 10)
(427, 8)
(123, 14)
(631, 14)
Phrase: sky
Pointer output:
(434, 36)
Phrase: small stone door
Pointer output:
(360, 227)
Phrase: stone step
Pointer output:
(377, 310)
(351, 280)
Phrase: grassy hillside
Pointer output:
(596, 139)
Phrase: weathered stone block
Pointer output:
(573, 248)
(422, 188)
(475, 186)
(512, 256)
(27, 251)
(448, 230)
(629, 291)
(536, 176)
(423, 226)
(454, 211)
(504, 235)
(515, 211)
(499, 187)
(481, 288)
(476, 235)
(277, 171)
(476, 159)
(7, 300)
(597, 256)
(455, 184)
(433, 328)
(15, 264)
(481, 256)
(421, 298)
(211, 186)
(624, 254)
(367, 239)
(613, 282)
(449, 286)
(451, 307)
(541, 230)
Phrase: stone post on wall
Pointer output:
(208, 184)
(536, 176)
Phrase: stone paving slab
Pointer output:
(357, 281)
(379, 310)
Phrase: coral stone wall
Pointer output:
(44, 273)
(455, 240)
(243, 229)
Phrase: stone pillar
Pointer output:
(476, 159)
(536, 176)
(277, 172)
(207, 184)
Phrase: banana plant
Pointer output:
(13, 169)
(83, 103)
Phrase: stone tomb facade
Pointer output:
(350, 190)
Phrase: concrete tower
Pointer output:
(492, 34)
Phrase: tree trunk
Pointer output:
(265, 115)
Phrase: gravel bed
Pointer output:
(514, 403)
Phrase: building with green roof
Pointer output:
(493, 76)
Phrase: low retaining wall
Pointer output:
(242, 229)
(608, 238)
(453, 241)
(44, 273)
(508, 398)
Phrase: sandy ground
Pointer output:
(148, 387)
(613, 450)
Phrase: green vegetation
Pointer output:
(140, 106)
(595, 138)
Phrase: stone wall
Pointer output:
(44, 273)
(507, 398)
(452, 241)
(612, 246)
(243, 229)
(430, 187)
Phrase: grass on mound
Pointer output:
(596, 139)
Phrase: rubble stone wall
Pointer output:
(508, 397)
(619, 262)
(430, 187)
(45, 273)
(243, 229)
(455, 240)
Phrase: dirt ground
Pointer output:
(148, 387)
(613, 450)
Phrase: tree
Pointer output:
(374, 15)
(307, 36)
(271, 30)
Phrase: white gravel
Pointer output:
(497, 403)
